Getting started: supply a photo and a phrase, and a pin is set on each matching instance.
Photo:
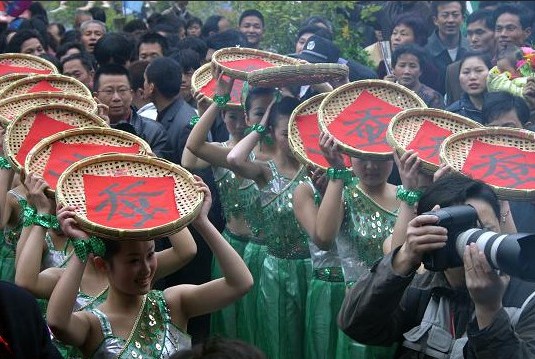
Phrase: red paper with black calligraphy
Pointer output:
(308, 128)
(247, 65)
(11, 69)
(62, 155)
(130, 202)
(428, 140)
(363, 124)
(501, 166)
(42, 127)
(235, 95)
(43, 86)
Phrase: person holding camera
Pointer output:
(467, 311)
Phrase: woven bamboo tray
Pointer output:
(345, 95)
(39, 156)
(300, 74)
(58, 83)
(8, 79)
(222, 56)
(405, 125)
(70, 192)
(23, 63)
(203, 75)
(455, 150)
(13, 106)
(19, 129)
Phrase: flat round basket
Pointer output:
(23, 63)
(33, 125)
(300, 74)
(203, 80)
(504, 158)
(357, 115)
(51, 156)
(238, 62)
(8, 79)
(46, 83)
(120, 196)
(12, 107)
(303, 134)
(423, 130)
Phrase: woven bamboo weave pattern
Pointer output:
(66, 84)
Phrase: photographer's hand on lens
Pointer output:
(485, 286)
(422, 237)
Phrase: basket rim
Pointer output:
(248, 51)
(53, 95)
(407, 114)
(36, 78)
(299, 70)
(8, 152)
(196, 86)
(364, 84)
(521, 134)
(140, 234)
(41, 61)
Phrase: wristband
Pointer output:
(28, 213)
(221, 100)
(45, 220)
(194, 120)
(262, 131)
(84, 247)
(340, 173)
(4, 163)
(408, 196)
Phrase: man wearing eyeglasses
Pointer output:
(113, 88)
(513, 25)
(446, 44)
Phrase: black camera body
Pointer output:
(513, 254)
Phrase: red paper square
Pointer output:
(10, 69)
(235, 94)
(130, 202)
(43, 126)
(363, 124)
(43, 86)
(308, 128)
(62, 155)
(428, 140)
(247, 65)
(501, 166)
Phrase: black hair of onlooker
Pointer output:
(316, 30)
(62, 49)
(3, 39)
(412, 49)
(187, 58)
(137, 72)
(154, 19)
(211, 25)
(70, 36)
(436, 4)
(316, 19)
(60, 26)
(114, 48)
(166, 75)
(417, 25)
(98, 13)
(252, 12)
(496, 104)
(85, 59)
(524, 14)
(194, 20)
(20, 37)
(110, 69)
(153, 37)
(38, 25)
(194, 43)
(54, 60)
(484, 14)
(37, 10)
(227, 38)
(135, 25)
(484, 5)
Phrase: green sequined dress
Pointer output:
(286, 272)
(8, 244)
(360, 244)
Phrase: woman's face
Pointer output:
(258, 108)
(300, 44)
(235, 122)
(473, 76)
(194, 30)
(408, 71)
(280, 134)
(32, 47)
(372, 173)
(401, 35)
(132, 269)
